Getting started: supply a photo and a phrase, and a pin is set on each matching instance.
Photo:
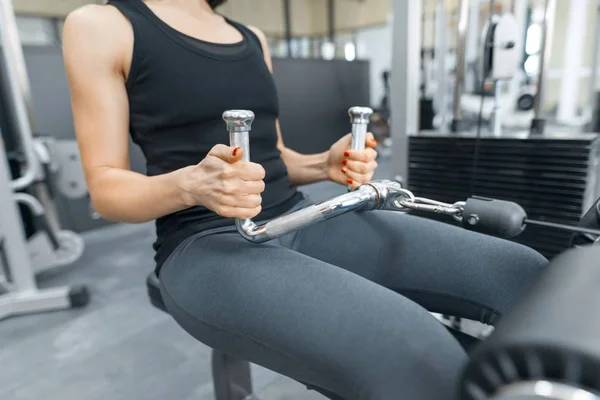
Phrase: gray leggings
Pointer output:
(342, 305)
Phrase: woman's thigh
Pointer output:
(308, 319)
(442, 267)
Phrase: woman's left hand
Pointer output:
(352, 167)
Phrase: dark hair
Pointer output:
(215, 3)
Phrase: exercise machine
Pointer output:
(19, 293)
(18, 290)
(232, 377)
(36, 161)
(514, 102)
(547, 347)
(493, 217)
(498, 65)
(497, 99)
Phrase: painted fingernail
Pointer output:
(345, 162)
(235, 151)
(349, 181)
(346, 154)
(344, 170)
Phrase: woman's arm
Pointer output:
(303, 169)
(94, 44)
(337, 164)
(97, 46)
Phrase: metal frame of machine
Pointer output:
(19, 293)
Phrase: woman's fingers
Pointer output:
(360, 167)
(247, 201)
(357, 178)
(365, 155)
(249, 171)
(251, 187)
(371, 142)
(237, 212)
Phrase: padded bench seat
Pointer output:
(231, 376)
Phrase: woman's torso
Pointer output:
(178, 88)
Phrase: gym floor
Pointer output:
(119, 347)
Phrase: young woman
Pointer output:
(342, 305)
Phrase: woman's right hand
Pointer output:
(224, 184)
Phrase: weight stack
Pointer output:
(554, 177)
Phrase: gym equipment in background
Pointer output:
(592, 112)
(426, 102)
(516, 105)
(538, 124)
(459, 77)
(547, 347)
(35, 160)
(509, 106)
(553, 176)
(53, 247)
(18, 291)
(499, 61)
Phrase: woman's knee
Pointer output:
(512, 268)
(451, 270)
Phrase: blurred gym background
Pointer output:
(403, 58)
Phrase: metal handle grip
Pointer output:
(359, 118)
(366, 197)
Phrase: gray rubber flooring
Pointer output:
(119, 347)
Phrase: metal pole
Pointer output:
(537, 125)
(11, 231)
(520, 8)
(576, 28)
(17, 88)
(441, 52)
(461, 43)
(331, 20)
(287, 21)
(592, 98)
(472, 49)
(404, 110)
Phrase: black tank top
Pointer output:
(178, 88)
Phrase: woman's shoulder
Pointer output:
(96, 36)
(97, 24)
(95, 17)
(255, 33)
(259, 34)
